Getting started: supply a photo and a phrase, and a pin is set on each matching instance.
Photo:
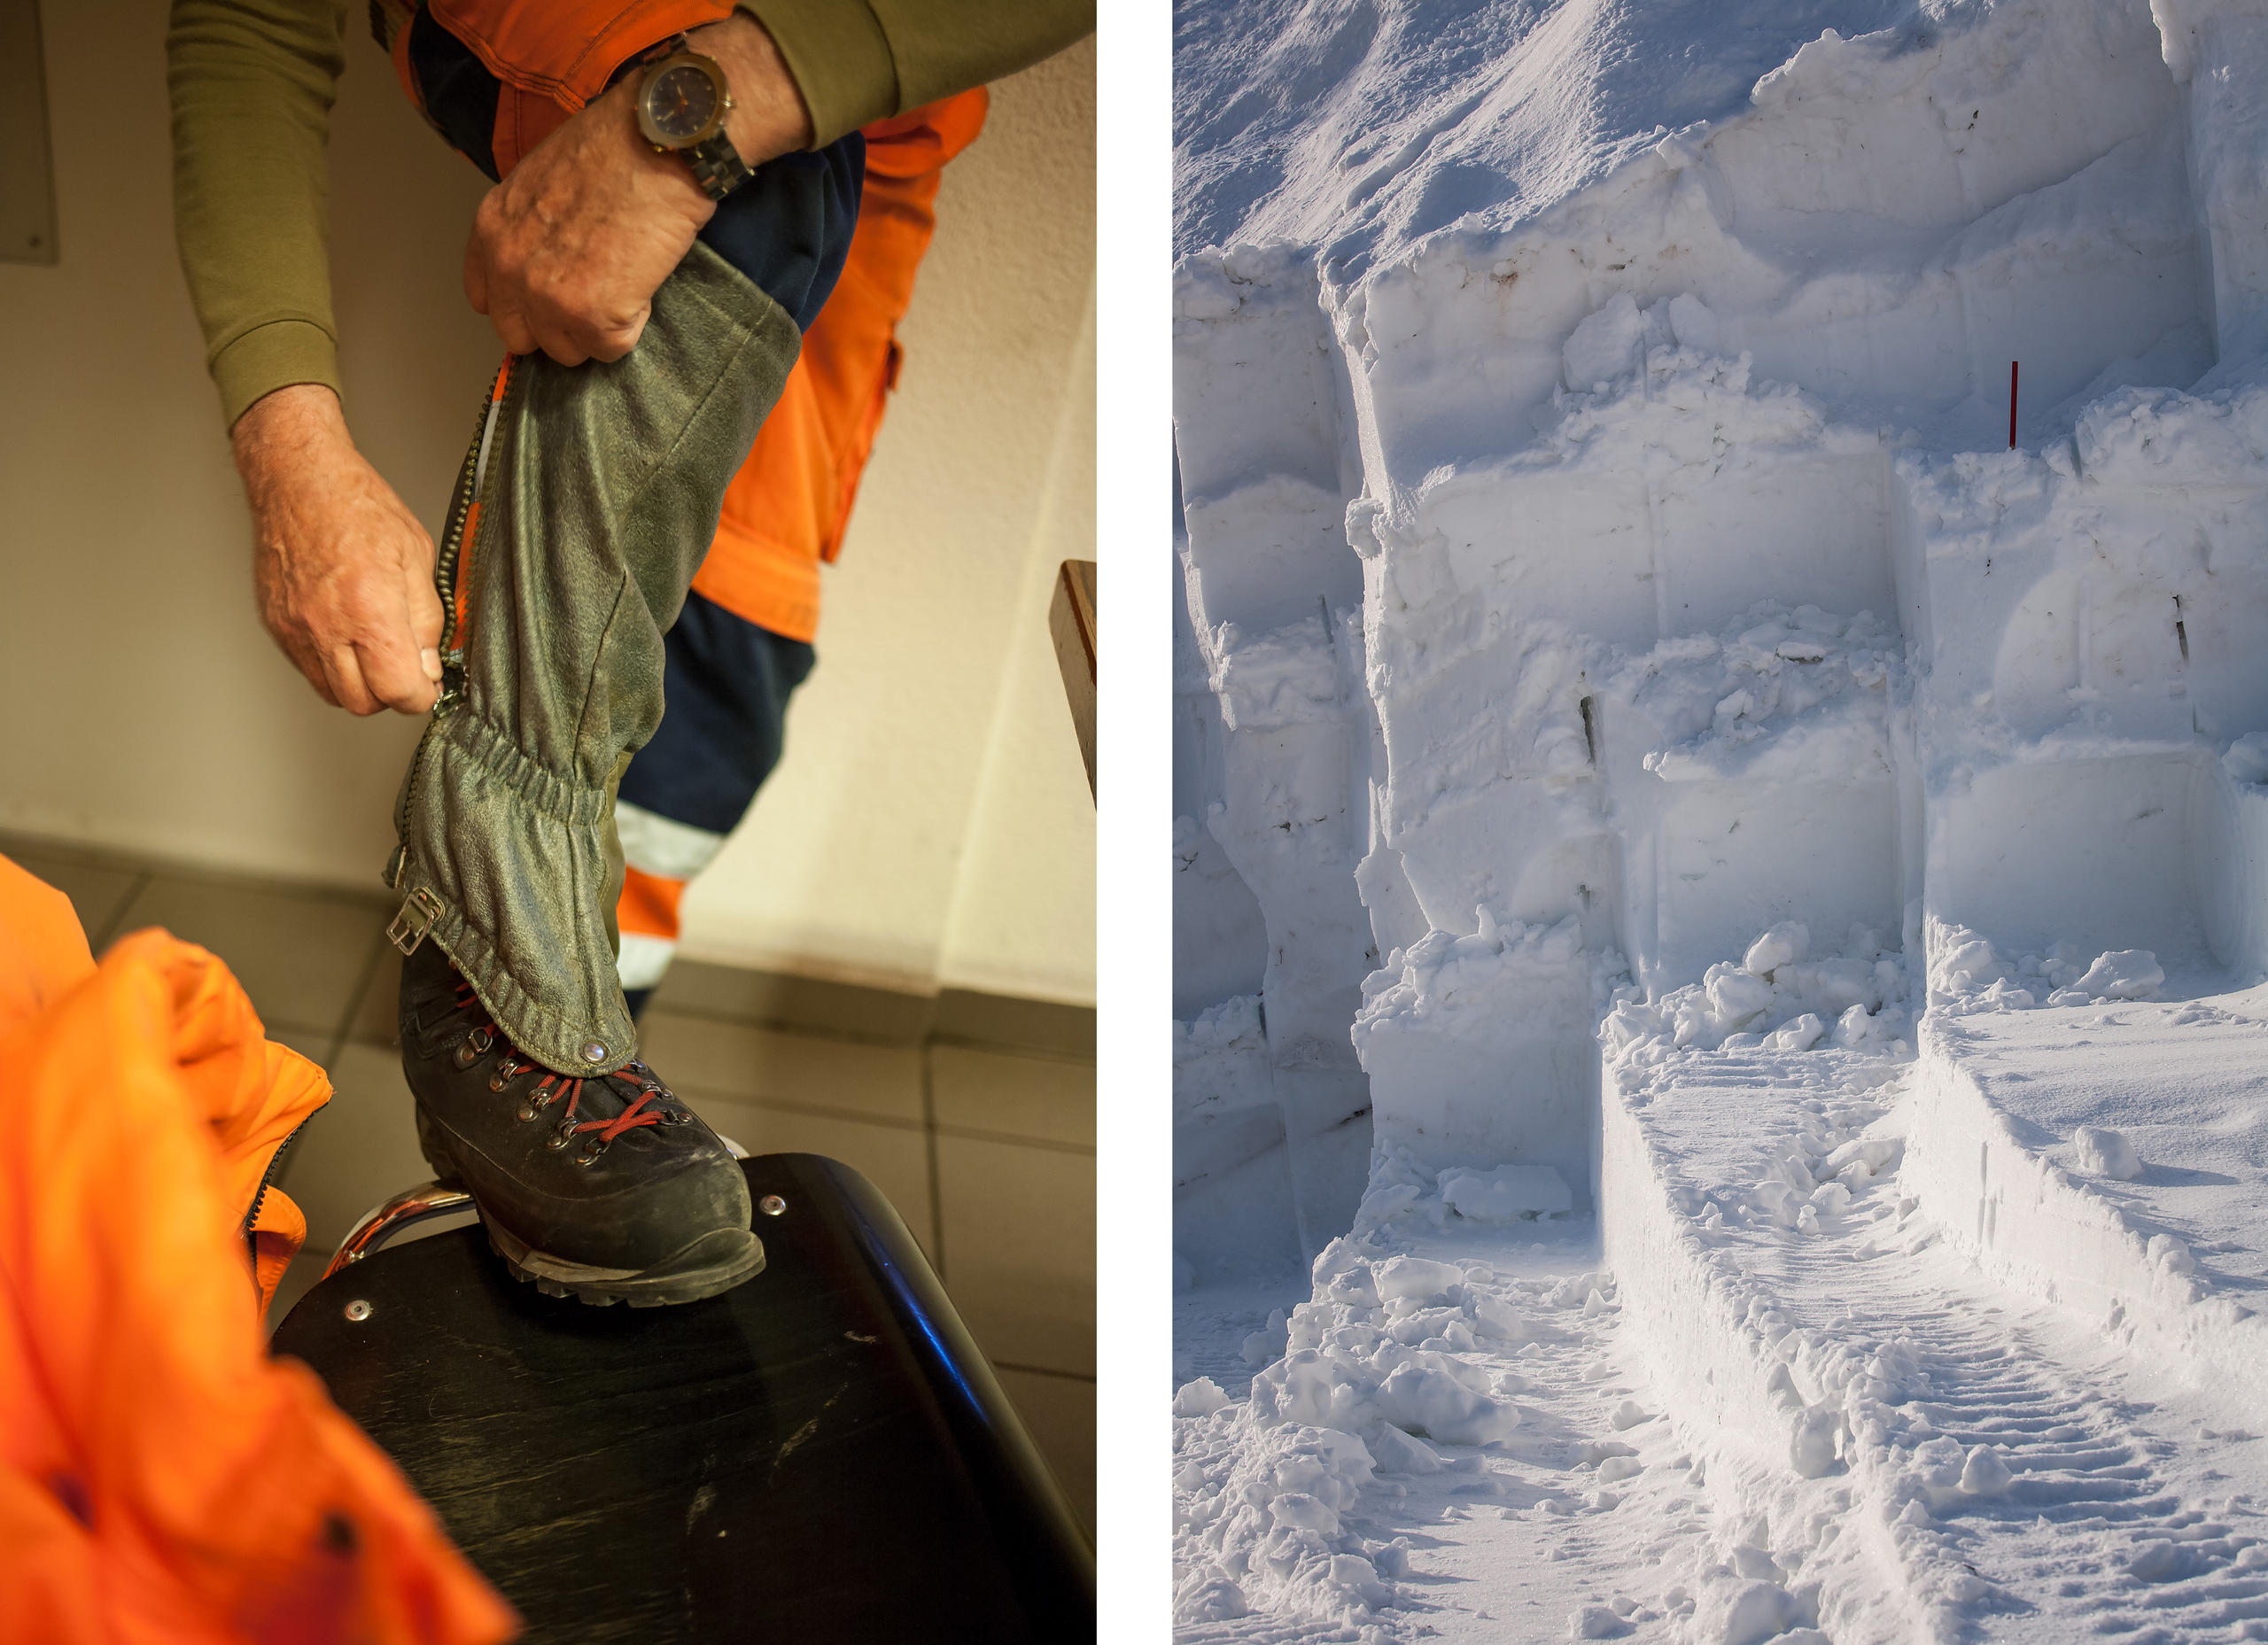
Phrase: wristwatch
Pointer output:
(682, 102)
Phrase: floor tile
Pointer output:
(1019, 1230)
(1034, 1097)
(893, 1158)
(700, 1056)
(300, 956)
(357, 1151)
(1060, 1413)
(97, 894)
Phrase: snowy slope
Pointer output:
(1360, 127)
(1701, 785)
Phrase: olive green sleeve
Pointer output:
(251, 83)
(857, 61)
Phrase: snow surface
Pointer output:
(1724, 905)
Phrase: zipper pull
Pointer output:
(419, 910)
(452, 692)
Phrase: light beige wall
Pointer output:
(925, 828)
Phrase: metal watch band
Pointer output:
(717, 166)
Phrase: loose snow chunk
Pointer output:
(1396, 1453)
(1509, 1193)
(1427, 1400)
(1596, 1622)
(2107, 1152)
(2246, 759)
(1605, 346)
(1812, 1447)
(1304, 1387)
(2170, 1254)
(1985, 1474)
(2125, 974)
(1735, 995)
(1693, 324)
(1499, 1319)
(1830, 1200)
(1869, 1154)
(1210, 1597)
(1268, 1343)
(1782, 945)
(1201, 1398)
(1752, 1613)
(1628, 1415)
(1800, 1034)
(1418, 1278)
(1305, 1510)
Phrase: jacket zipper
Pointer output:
(462, 534)
(267, 1182)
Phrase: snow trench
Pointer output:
(1724, 710)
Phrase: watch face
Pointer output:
(681, 102)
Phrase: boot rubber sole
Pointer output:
(709, 1266)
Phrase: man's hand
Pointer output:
(568, 251)
(344, 572)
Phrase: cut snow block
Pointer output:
(1813, 528)
(2231, 865)
(1516, 1082)
(1565, 546)
(1261, 556)
(1537, 841)
(1732, 859)
(2095, 852)
(1254, 389)
(1233, 1198)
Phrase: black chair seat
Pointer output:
(821, 1455)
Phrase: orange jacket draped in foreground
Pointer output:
(161, 1478)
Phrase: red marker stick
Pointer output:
(2012, 405)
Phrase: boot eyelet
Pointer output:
(590, 1153)
(481, 1038)
(466, 1056)
(674, 1116)
(527, 1111)
(562, 1135)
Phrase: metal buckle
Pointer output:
(418, 912)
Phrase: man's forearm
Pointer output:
(252, 85)
(859, 61)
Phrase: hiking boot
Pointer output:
(609, 1189)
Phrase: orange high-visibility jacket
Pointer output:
(163, 1481)
(788, 507)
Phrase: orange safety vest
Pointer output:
(786, 510)
(162, 1480)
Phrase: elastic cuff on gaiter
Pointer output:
(484, 815)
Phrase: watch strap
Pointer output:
(717, 166)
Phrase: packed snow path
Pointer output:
(1504, 1541)
(1985, 1466)
(2007, 1473)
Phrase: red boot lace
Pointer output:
(552, 1086)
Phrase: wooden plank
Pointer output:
(1071, 624)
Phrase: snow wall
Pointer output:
(1602, 543)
